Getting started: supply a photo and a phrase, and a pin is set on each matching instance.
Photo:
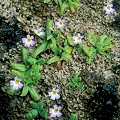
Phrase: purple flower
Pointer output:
(28, 41)
(109, 10)
(39, 31)
(78, 39)
(60, 24)
(16, 83)
(54, 94)
(55, 112)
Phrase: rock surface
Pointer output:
(103, 71)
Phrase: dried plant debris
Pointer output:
(10, 34)
(104, 102)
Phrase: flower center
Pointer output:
(38, 31)
(79, 38)
(108, 7)
(17, 82)
(28, 40)
(54, 92)
(61, 23)
(56, 110)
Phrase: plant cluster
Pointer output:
(37, 109)
(28, 74)
(76, 82)
(52, 42)
(66, 4)
(73, 117)
(100, 45)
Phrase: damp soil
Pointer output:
(104, 102)
(10, 33)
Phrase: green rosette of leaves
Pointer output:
(99, 45)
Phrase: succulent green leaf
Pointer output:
(73, 117)
(17, 73)
(40, 106)
(108, 41)
(47, 1)
(48, 31)
(63, 7)
(19, 67)
(49, 36)
(25, 90)
(32, 61)
(44, 114)
(71, 86)
(66, 56)
(58, 37)
(106, 48)
(25, 55)
(40, 49)
(76, 78)
(53, 59)
(56, 1)
(68, 49)
(49, 24)
(28, 79)
(100, 43)
(92, 38)
(70, 40)
(80, 86)
(104, 45)
(90, 52)
(34, 104)
(37, 77)
(102, 52)
(33, 93)
(32, 114)
(76, 82)
(41, 61)
(74, 4)
(54, 48)
(77, 1)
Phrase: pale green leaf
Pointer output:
(92, 38)
(17, 73)
(40, 49)
(66, 56)
(47, 1)
(70, 40)
(25, 90)
(19, 67)
(32, 114)
(25, 55)
(33, 93)
(41, 61)
(53, 59)
(68, 49)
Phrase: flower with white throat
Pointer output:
(28, 41)
(54, 94)
(55, 112)
(16, 83)
(39, 31)
(109, 10)
(78, 39)
(60, 24)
